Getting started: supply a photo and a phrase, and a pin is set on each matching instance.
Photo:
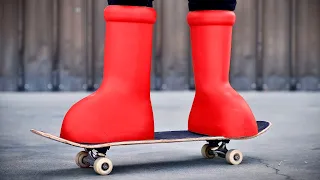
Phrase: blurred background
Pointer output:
(57, 45)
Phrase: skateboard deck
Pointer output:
(94, 155)
(160, 137)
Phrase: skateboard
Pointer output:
(94, 155)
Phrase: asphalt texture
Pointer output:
(289, 150)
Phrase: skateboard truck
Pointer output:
(96, 158)
(102, 150)
(212, 150)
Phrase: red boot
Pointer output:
(120, 110)
(217, 110)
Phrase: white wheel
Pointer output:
(103, 166)
(80, 159)
(207, 152)
(234, 157)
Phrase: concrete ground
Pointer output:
(289, 150)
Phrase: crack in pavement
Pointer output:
(274, 168)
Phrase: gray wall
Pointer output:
(58, 45)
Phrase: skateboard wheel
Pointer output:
(207, 152)
(80, 159)
(103, 166)
(234, 157)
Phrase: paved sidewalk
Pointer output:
(289, 150)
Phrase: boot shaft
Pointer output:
(211, 36)
(128, 46)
